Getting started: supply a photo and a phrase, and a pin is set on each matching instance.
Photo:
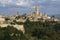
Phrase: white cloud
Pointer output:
(16, 2)
(22, 3)
(5, 2)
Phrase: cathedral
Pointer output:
(35, 16)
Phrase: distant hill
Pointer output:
(56, 15)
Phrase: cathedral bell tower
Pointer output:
(36, 10)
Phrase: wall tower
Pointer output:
(36, 10)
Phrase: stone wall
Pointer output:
(19, 27)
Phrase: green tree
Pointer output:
(11, 33)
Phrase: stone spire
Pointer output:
(40, 14)
(36, 10)
(17, 14)
(45, 14)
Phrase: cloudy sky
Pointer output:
(10, 7)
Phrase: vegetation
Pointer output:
(48, 30)
(7, 19)
(11, 33)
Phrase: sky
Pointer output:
(10, 7)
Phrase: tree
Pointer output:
(11, 33)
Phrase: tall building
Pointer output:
(36, 10)
(17, 14)
(40, 14)
(37, 13)
(45, 15)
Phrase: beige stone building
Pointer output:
(19, 27)
(38, 16)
